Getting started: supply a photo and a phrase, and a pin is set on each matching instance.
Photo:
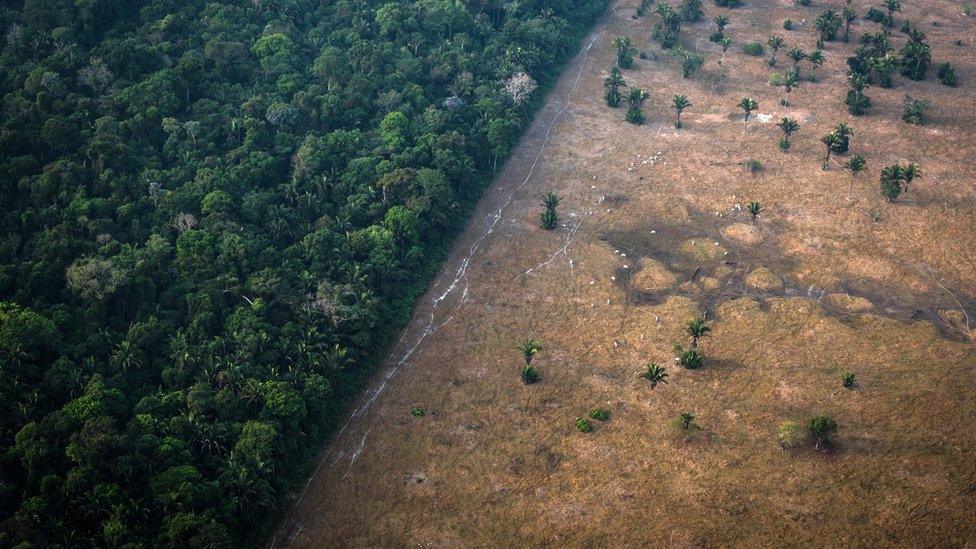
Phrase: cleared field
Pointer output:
(654, 233)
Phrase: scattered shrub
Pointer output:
(599, 414)
(849, 380)
(753, 166)
(947, 75)
(790, 435)
(788, 24)
(690, 359)
(686, 422)
(878, 16)
(914, 110)
(417, 411)
(530, 375)
(728, 3)
(821, 429)
(655, 374)
(754, 49)
(583, 426)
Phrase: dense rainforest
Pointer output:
(215, 215)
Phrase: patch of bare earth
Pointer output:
(654, 233)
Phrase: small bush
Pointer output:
(878, 16)
(849, 380)
(914, 111)
(728, 3)
(716, 37)
(821, 428)
(947, 75)
(784, 144)
(690, 359)
(788, 24)
(754, 49)
(417, 411)
(599, 414)
(753, 166)
(790, 435)
(803, 2)
(583, 426)
(530, 375)
(635, 115)
(686, 422)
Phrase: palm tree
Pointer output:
(748, 105)
(788, 125)
(550, 200)
(797, 55)
(844, 135)
(754, 209)
(816, 59)
(790, 80)
(775, 43)
(686, 420)
(697, 329)
(636, 97)
(725, 42)
(830, 140)
(529, 349)
(549, 219)
(612, 84)
(622, 45)
(679, 103)
(690, 359)
(655, 374)
(721, 22)
(855, 164)
(821, 427)
(912, 172)
(849, 17)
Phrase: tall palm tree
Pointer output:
(697, 329)
(855, 164)
(830, 140)
(679, 103)
(789, 126)
(622, 45)
(655, 374)
(612, 85)
(775, 43)
(790, 80)
(844, 135)
(748, 105)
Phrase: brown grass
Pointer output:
(495, 462)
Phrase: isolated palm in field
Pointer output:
(844, 135)
(622, 45)
(549, 218)
(816, 59)
(655, 374)
(754, 208)
(636, 98)
(529, 349)
(679, 103)
(790, 81)
(797, 55)
(697, 329)
(788, 125)
(612, 85)
(775, 43)
(748, 105)
(855, 164)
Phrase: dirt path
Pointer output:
(653, 234)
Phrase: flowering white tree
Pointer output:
(520, 86)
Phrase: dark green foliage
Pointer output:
(947, 75)
(788, 24)
(878, 16)
(214, 216)
(748, 105)
(636, 98)
(916, 55)
(679, 103)
(549, 219)
(691, 10)
(417, 411)
(625, 52)
(529, 374)
(667, 27)
(789, 126)
(753, 166)
(642, 7)
(754, 49)
(728, 3)
(857, 103)
(914, 110)
(690, 359)
(531, 347)
(690, 62)
(775, 44)
(599, 414)
(895, 180)
(822, 428)
(698, 329)
(850, 16)
(828, 23)
(686, 422)
(754, 209)
(612, 85)
(583, 425)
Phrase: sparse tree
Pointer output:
(892, 6)
(828, 23)
(790, 81)
(816, 59)
(636, 98)
(796, 55)
(549, 219)
(679, 103)
(686, 421)
(625, 53)
(612, 85)
(947, 75)
(844, 135)
(519, 87)
(850, 16)
(690, 359)
(857, 103)
(748, 105)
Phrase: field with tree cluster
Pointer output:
(720, 294)
(215, 217)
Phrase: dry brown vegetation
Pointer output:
(820, 285)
